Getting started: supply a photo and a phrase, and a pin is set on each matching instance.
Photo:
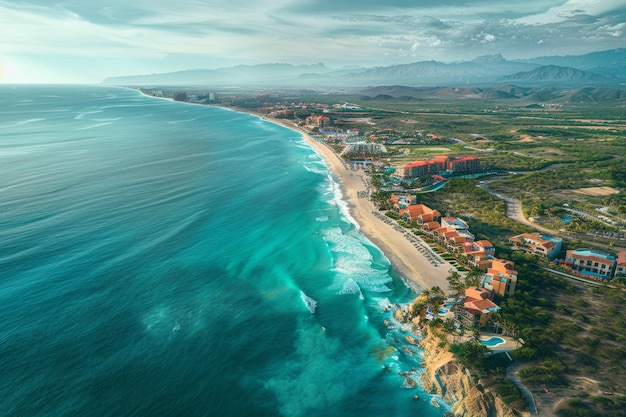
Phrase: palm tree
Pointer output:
(473, 278)
(455, 282)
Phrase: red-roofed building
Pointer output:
(620, 271)
(399, 201)
(438, 164)
(318, 121)
(538, 244)
(501, 277)
(414, 170)
(430, 227)
(478, 254)
(419, 214)
(475, 309)
(463, 164)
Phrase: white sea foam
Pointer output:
(86, 113)
(174, 122)
(353, 261)
(93, 126)
(384, 304)
(314, 169)
(21, 122)
(351, 287)
(112, 119)
(339, 202)
(340, 242)
(310, 303)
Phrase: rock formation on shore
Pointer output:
(454, 383)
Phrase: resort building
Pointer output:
(620, 271)
(538, 244)
(475, 309)
(415, 170)
(478, 254)
(437, 165)
(463, 164)
(419, 213)
(459, 226)
(592, 264)
(430, 227)
(448, 236)
(318, 121)
(501, 277)
(400, 201)
(364, 148)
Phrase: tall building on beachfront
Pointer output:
(438, 165)
(592, 264)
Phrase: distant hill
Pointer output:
(508, 92)
(557, 73)
(607, 68)
(484, 68)
(611, 63)
(589, 62)
(240, 73)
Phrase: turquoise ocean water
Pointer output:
(164, 259)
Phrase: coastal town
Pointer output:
(463, 278)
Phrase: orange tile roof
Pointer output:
(432, 225)
(483, 243)
(482, 304)
(415, 164)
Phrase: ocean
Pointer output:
(167, 259)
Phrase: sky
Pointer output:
(79, 41)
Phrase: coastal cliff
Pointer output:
(453, 382)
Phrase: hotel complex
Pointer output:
(474, 307)
(437, 165)
(591, 264)
(538, 244)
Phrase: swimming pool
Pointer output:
(493, 341)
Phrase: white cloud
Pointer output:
(158, 36)
(571, 8)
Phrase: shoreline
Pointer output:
(407, 261)
(405, 258)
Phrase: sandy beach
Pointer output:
(409, 258)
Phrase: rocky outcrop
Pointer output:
(453, 382)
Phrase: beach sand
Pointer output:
(406, 259)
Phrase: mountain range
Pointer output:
(605, 69)
(522, 95)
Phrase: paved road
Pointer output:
(513, 207)
(513, 210)
(511, 373)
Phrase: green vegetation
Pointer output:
(547, 157)
(571, 333)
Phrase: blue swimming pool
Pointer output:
(492, 341)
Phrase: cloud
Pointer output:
(212, 33)
(573, 8)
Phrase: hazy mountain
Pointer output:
(604, 67)
(481, 69)
(509, 93)
(240, 73)
(557, 73)
(613, 57)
